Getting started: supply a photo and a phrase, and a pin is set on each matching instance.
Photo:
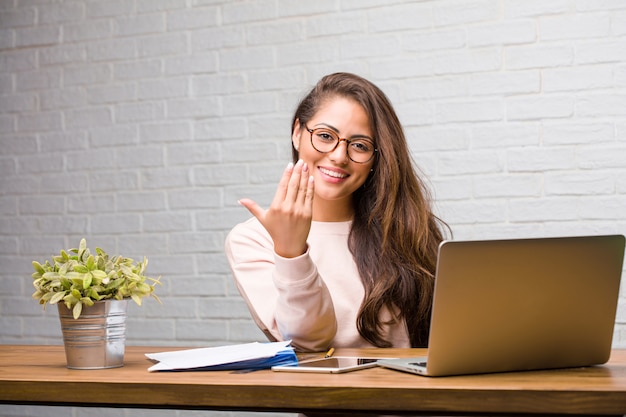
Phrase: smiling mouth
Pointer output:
(333, 174)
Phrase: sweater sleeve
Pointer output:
(287, 298)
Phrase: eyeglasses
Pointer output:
(324, 140)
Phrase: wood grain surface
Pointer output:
(37, 375)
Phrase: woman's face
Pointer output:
(336, 176)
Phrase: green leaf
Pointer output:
(87, 280)
(101, 262)
(66, 283)
(156, 298)
(87, 301)
(126, 270)
(99, 274)
(94, 294)
(38, 268)
(78, 308)
(115, 283)
(136, 298)
(91, 263)
(81, 268)
(57, 297)
(74, 275)
(70, 299)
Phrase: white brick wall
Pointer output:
(139, 123)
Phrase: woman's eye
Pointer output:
(326, 137)
(361, 146)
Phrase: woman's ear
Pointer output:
(296, 135)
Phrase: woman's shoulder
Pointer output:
(248, 240)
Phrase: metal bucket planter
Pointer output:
(95, 340)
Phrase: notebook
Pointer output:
(521, 304)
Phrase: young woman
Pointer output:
(345, 255)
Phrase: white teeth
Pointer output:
(332, 173)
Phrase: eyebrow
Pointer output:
(333, 128)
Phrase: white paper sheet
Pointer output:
(202, 357)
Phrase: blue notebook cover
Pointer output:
(284, 357)
(248, 356)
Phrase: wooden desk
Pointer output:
(37, 375)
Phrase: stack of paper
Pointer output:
(245, 356)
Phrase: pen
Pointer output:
(329, 353)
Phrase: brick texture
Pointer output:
(138, 123)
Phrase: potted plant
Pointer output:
(91, 292)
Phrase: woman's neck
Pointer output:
(329, 211)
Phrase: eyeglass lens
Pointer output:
(359, 150)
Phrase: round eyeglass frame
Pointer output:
(340, 139)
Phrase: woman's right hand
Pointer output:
(288, 219)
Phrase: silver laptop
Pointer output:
(521, 304)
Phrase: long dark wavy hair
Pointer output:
(395, 235)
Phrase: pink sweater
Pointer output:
(312, 299)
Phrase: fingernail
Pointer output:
(290, 165)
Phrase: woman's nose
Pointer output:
(340, 154)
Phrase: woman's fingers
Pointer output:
(293, 190)
(254, 209)
(283, 184)
(294, 185)
(303, 184)
(310, 192)
(288, 219)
